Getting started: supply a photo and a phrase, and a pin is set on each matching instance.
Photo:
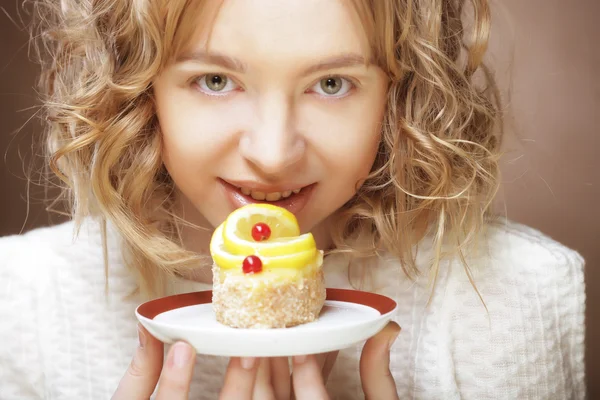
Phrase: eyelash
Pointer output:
(346, 80)
(197, 79)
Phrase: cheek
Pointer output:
(347, 141)
(193, 138)
(361, 153)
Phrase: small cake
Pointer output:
(265, 274)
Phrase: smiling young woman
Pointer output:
(361, 117)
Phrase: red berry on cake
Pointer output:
(252, 265)
(261, 231)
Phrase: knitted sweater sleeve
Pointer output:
(21, 303)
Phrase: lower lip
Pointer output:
(294, 204)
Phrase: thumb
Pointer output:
(140, 379)
(376, 378)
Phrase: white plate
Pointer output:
(348, 317)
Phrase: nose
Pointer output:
(272, 143)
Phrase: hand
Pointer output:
(251, 378)
(270, 378)
(147, 369)
(376, 378)
(247, 378)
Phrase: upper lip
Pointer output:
(253, 185)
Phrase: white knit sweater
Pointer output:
(62, 338)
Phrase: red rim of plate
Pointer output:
(153, 308)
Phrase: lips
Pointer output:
(292, 198)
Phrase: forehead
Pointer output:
(278, 31)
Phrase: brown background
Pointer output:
(546, 55)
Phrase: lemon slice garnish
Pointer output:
(285, 233)
(226, 260)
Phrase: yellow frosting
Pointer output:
(285, 253)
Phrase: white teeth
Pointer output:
(273, 196)
(258, 195)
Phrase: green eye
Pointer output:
(215, 83)
(332, 85)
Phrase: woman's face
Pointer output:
(281, 99)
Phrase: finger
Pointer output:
(140, 379)
(376, 378)
(262, 383)
(328, 365)
(239, 379)
(176, 376)
(321, 357)
(281, 380)
(307, 379)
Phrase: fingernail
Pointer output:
(300, 359)
(247, 362)
(141, 337)
(182, 353)
(393, 340)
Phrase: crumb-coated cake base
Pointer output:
(249, 303)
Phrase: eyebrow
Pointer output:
(339, 61)
(213, 58)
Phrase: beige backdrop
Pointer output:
(546, 49)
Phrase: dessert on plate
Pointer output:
(265, 273)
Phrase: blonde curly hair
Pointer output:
(436, 171)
